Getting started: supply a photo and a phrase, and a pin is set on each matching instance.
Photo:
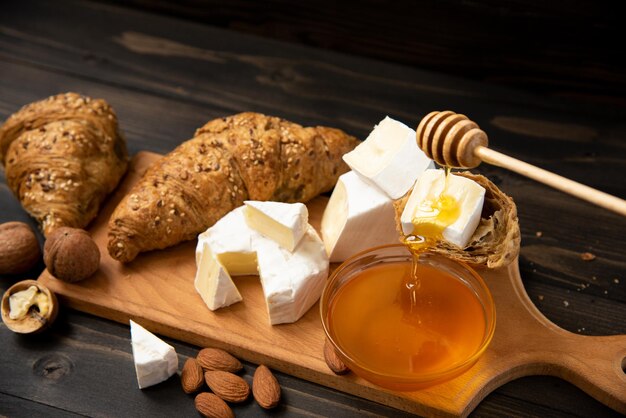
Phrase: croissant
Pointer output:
(62, 157)
(248, 156)
(496, 241)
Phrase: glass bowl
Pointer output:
(352, 341)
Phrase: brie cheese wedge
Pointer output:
(231, 242)
(468, 194)
(389, 158)
(155, 360)
(213, 282)
(358, 216)
(292, 281)
(284, 223)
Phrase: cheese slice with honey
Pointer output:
(292, 281)
(358, 216)
(155, 360)
(285, 223)
(389, 158)
(467, 195)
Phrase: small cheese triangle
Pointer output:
(155, 360)
(213, 282)
(285, 223)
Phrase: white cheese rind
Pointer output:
(389, 158)
(213, 282)
(358, 216)
(155, 360)
(292, 281)
(285, 223)
(469, 195)
(231, 242)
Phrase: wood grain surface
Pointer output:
(156, 290)
(166, 77)
(562, 48)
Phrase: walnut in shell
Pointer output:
(19, 249)
(71, 255)
(38, 310)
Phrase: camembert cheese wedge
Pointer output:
(285, 223)
(292, 281)
(421, 208)
(155, 360)
(213, 282)
(389, 158)
(231, 244)
(358, 216)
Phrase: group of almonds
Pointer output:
(217, 369)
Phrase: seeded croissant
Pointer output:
(62, 157)
(248, 156)
(496, 241)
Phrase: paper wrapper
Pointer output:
(496, 241)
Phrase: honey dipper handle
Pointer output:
(566, 185)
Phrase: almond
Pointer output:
(265, 388)
(191, 378)
(211, 406)
(227, 386)
(333, 361)
(216, 359)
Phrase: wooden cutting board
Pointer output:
(156, 290)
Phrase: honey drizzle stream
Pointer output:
(427, 231)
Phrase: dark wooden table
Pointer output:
(166, 77)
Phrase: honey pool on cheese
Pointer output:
(292, 281)
(450, 207)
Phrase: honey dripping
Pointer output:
(444, 210)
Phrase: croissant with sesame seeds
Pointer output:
(248, 156)
(62, 156)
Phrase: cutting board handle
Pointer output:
(596, 364)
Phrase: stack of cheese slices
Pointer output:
(273, 240)
(360, 213)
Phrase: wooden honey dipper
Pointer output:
(453, 140)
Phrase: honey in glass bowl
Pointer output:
(402, 338)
